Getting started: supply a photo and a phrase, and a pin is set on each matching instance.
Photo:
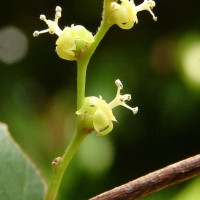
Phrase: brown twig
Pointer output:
(154, 181)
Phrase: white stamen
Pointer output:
(58, 9)
(147, 5)
(118, 83)
(125, 97)
(58, 13)
(53, 27)
(121, 99)
(36, 33)
(135, 110)
(43, 18)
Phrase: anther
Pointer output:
(58, 13)
(58, 9)
(128, 97)
(135, 110)
(118, 83)
(43, 17)
(36, 33)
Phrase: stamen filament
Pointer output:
(121, 99)
(147, 5)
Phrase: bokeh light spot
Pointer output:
(96, 154)
(188, 59)
(13, 45)
(191, 63)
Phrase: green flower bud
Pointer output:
(124, 14)
(96, 114)
(72, 42)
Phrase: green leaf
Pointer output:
(19, 179)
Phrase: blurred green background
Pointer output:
(157, 62)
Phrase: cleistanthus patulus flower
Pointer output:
(96, 114)
(72, 41)
(124, 12)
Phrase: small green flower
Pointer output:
(97, 115)
(124, 14)
(72, 42)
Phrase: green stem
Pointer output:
(58, 170)
(81, 80)
(83, 63)
(79, 136)
(98, 37)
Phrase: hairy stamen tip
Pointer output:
(119, 84)
(43, 17)
(58, 9)
(36, 33)
(135, 110)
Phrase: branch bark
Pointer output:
(154, 181)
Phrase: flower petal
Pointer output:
(101, 122)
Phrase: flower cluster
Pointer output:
(72, 42)
(97, 115)
(124, 14)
